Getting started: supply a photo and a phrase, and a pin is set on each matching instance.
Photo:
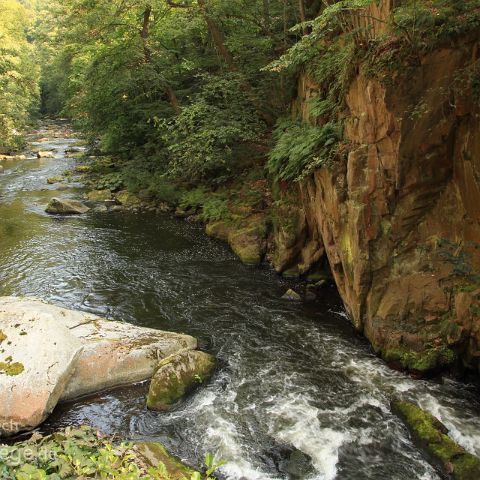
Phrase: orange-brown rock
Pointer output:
(399, 219)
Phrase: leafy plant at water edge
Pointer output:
(82, 453)
(212, 206)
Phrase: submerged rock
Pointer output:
(66, 207)
(49, 353)
(292, 295)
(432, 436)
(176, 376)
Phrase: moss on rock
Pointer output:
(176, 376)
(99, 195)
(248, 240)
(432, 436)
(427, 361)
(156, 455)
(127, 199)
(219, 230)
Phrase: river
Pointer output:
(297, 393)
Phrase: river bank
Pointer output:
(298, 392)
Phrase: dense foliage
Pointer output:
(178, 83)
(190, 91)
(19, 74)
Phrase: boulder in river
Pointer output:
(45, 155)
(176, 376)
(432, 436)
(38, 357)
(49, 353)
(292, 296)
(11, 158)
(63, 206)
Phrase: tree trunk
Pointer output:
(145, 34)
(303, 16)
(217, 36)
(266, 15)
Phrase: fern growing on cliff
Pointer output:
(299, 149)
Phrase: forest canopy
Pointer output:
(192, 91)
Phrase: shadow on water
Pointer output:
(297, 393)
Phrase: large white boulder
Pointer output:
(51, 353)
(118, 353)
(37, 358)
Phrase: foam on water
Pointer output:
(295, 422)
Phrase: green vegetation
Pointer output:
(197, 105)
(300, 149)
(19, 74)
(433, 438)
(83, 453)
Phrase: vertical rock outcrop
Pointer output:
(399, 220)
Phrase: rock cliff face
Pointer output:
(399, 219)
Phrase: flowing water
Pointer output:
(297, 393)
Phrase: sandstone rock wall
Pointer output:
(400, 219)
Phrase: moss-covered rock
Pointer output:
(176, 376)
(127, 199)
(432, 436)
(422, 363)
(83, 168)
(99, 195)
(248, 245)
(62, 206)
(219, 230)
(53, 180)
(155, 455)
(292, 296)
